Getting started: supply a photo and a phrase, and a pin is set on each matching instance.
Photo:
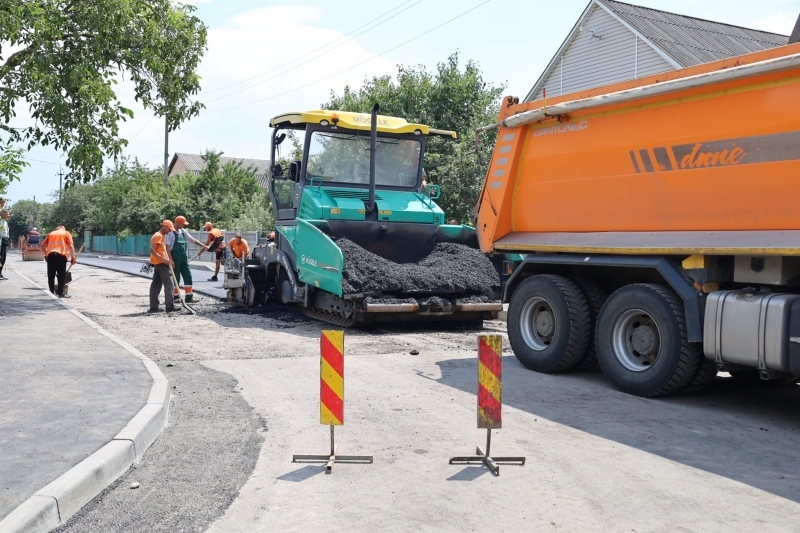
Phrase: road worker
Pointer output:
(161, 261)
(239, 247)
(177, 241)
(215, 243)
(57, 248)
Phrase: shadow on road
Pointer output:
(744, 433)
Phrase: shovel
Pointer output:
(68, 276)
(180, 296)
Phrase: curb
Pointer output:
(53, 505)
(198, 265)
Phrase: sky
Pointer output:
(268, 57)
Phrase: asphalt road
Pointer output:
(195, 468)
(65, 390)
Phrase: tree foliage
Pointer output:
(128, 200)
(11, 165)
(451, 98)
(26, 215)
(63, 59)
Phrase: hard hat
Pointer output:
(208, 225)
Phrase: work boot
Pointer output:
(213, 278)
(62, 295)
(3, 278)
(172, 309)
(156, 310)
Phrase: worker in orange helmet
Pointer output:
(215, 243)
(58, 247)
(177, 241)
(239, 247)
(161, 260)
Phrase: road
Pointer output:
(597, 460)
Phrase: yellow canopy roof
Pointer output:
(357, 121)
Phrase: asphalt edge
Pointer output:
(54, 504)
(142, 275)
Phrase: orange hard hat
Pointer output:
(208, 225)
(181, 219)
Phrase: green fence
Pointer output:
(111, 244)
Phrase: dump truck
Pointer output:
(659, 220)
(358, 238)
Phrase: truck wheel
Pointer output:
(595, 296)
(641, 341)
(706, 372)
(548, 323)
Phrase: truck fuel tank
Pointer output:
(750, 329)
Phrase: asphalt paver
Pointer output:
(66, 390)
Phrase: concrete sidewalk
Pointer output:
(133, 265)
(74, 405)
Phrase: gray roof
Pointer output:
(194, 163)
(692, 41)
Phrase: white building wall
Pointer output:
(603, 52)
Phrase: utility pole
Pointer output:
(166, 155)
(60, 186)
(34, 211)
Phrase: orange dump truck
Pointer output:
(659, 220)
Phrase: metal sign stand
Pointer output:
(490, 402)
(486, 459)
(331, 408)
(333, 457)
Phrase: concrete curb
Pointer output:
(53, 505)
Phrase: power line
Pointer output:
(40, 161)
(352, 66)
(143, 127)
(316, 56)
(309, 53)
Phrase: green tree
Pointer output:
(451, 98)
(11, 165)
(62, 58)
(25, 215)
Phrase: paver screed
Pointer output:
(65, 390)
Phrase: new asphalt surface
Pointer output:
(66, 390)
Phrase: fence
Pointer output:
(140, 244)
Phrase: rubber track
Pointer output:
(689, 358)
(580, 322)
(595, 296)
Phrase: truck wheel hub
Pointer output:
(644, 339)
(545, 323)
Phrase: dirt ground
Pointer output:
(597, 460)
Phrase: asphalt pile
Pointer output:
(449, 268)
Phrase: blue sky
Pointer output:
(268, 57)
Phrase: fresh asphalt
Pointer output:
(133, 265)
(66, 390)
(193, 471)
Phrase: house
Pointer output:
(613, 42)
(182, 163)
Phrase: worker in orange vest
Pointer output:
(162, 262)
(216, 244)
(239, 247)
(57, 248)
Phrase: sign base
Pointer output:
(332, 457)
(486, 459)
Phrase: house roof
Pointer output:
(681, 40)
(195, 163)
(692, 41)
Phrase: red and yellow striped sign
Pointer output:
(331, 378)
(490, 381)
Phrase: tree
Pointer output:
(11, 164)
(450, 99)
(25, 215)
(62, 59)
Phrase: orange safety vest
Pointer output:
(59, 242)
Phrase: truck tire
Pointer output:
(706, 372)
(641, 341)
(548, 323)
(595, 296)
